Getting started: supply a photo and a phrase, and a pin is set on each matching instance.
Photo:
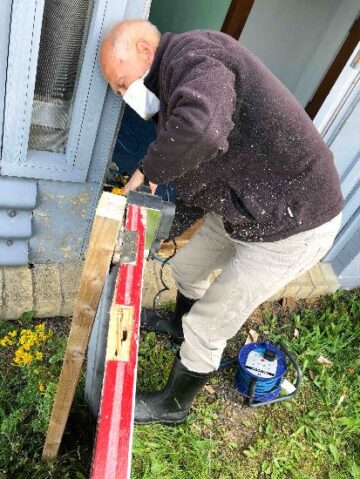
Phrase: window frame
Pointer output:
(89, 94)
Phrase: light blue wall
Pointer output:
(298, 40)
(338, 121)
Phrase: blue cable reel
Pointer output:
(260, 378)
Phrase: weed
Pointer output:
(31, 360)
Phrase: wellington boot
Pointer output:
(171, 405)
(171, 324)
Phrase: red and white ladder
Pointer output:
(112, 451)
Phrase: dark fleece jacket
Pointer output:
(235, 141)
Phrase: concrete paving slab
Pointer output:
(47, 290)
(17, 291)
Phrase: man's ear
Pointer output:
(145, 50)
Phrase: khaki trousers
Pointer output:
(251, 274)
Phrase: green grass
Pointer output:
(182, 451)
(310, 437)
(324, 436)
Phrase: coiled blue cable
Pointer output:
(263, 387)
(253, 385)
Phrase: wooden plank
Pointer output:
(236, 17)
(167, 248)
(103, 237)
(120, 329)
(112, 453)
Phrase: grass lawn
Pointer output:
(314, 436)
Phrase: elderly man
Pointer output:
(234, 142)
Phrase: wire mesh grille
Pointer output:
(64, 29)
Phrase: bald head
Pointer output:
(127, 52)
(121, 40)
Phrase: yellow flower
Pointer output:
(29, 341)
(6, 341)
(43, 335)
(22, 357)
(38, 355)
(41, 387)
(23, 337)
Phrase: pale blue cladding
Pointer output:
(13, 252)
(17, 201)
(17, 193)
(15, 224)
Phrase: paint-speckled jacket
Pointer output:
(235, 141)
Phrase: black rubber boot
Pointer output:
(172, 325)
(171, 405)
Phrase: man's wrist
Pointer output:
(140, 167)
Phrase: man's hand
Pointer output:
(135, 181)
(153, 187)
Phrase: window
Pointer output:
(64, 28)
